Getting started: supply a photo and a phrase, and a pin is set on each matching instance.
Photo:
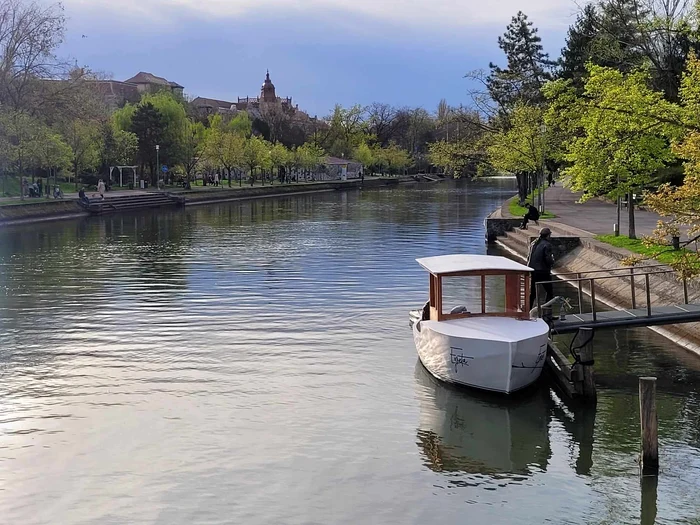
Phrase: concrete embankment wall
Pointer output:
(580, 253)
(46, 210)
(40, 210)
(664, 289)
(225, 194)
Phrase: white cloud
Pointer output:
(450, 14)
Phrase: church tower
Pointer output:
(267, 92)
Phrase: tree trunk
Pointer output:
(630, 209)
(228, 170)
(521, 179)
(75, 174)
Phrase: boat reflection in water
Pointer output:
(480, 434)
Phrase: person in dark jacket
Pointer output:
(541, 260)
(83, 198)
(531, 215)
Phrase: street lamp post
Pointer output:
(157, 159)
(543, 131)
(619, 207)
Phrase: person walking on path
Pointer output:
(541, 260)
(101, 189)
(531, 215)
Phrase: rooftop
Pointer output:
(149, 78)
(445, 264)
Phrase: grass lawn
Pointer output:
(9, 186)
(661, 253)
(519, 211)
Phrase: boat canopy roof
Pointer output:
(447, 264)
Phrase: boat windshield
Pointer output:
(479, 293)
(464, 295)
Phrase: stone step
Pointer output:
(517, 238)
(513, 245)
(130, 202)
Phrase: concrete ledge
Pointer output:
(498, 227)
(39, 211)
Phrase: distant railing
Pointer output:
(632, 273)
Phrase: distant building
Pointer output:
(149, 83)
(267, 107)
(115, 93)
(209, 106)
(335, 168)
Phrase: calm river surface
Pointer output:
(251, 363)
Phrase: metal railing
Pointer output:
(579, 281)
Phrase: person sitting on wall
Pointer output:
(83, 198)
(531, 215)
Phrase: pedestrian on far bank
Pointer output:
(541, 260)
(101, 189)
(82, 197)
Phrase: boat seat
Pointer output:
(461, 309)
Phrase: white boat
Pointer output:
(488, 341)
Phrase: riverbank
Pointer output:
(41, 210)
(579, 252)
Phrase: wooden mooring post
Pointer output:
(649, 424)
(576, 380)
(586, 378)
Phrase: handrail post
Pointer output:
(685, 290)
(632, 290)
(593, 309)
(646, 282)
(580, 293)
(537, 299)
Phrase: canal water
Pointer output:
(251, 363)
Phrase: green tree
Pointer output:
(346, 130)
(241, 124)
(579, 45)
(279, 157)
(255, 155)
(521, 149)
(528, 66)
(21, 134)
(620, 143)
(83, 137)
(192, 142)
(224, 147)
(397, 159)
(364, 155)
(119, 147)
(149, 126)
(680, 206)
(53, 154)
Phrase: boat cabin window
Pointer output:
(461, 295)
(470, 294)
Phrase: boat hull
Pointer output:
(473, 352)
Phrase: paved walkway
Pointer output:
(595, 216)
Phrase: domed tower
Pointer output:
(267, 92)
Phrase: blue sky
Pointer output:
(320, 52)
